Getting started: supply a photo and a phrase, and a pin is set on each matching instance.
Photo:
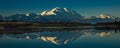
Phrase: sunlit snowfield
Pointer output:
(61, 38)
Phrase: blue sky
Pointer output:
(83, 7)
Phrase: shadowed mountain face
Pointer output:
(22, 17)
(1, 17)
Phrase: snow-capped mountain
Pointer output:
(105, 16)
(59, 11)
(101, 18)
(22, 17)
(59, 15)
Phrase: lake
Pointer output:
(63, 38)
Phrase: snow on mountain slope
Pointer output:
(58, 11)
(103, 16)
(54, 11)
(60, 15)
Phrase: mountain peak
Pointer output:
(104, 16)
(56, 10)
(60, 8)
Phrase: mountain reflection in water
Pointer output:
(62, 37)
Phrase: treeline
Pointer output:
(108, 25)
(26, 23)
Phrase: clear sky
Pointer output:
(83, 7)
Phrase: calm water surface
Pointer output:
(89, 38)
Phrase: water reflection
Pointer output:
(61, 37)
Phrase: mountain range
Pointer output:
(59, 14)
